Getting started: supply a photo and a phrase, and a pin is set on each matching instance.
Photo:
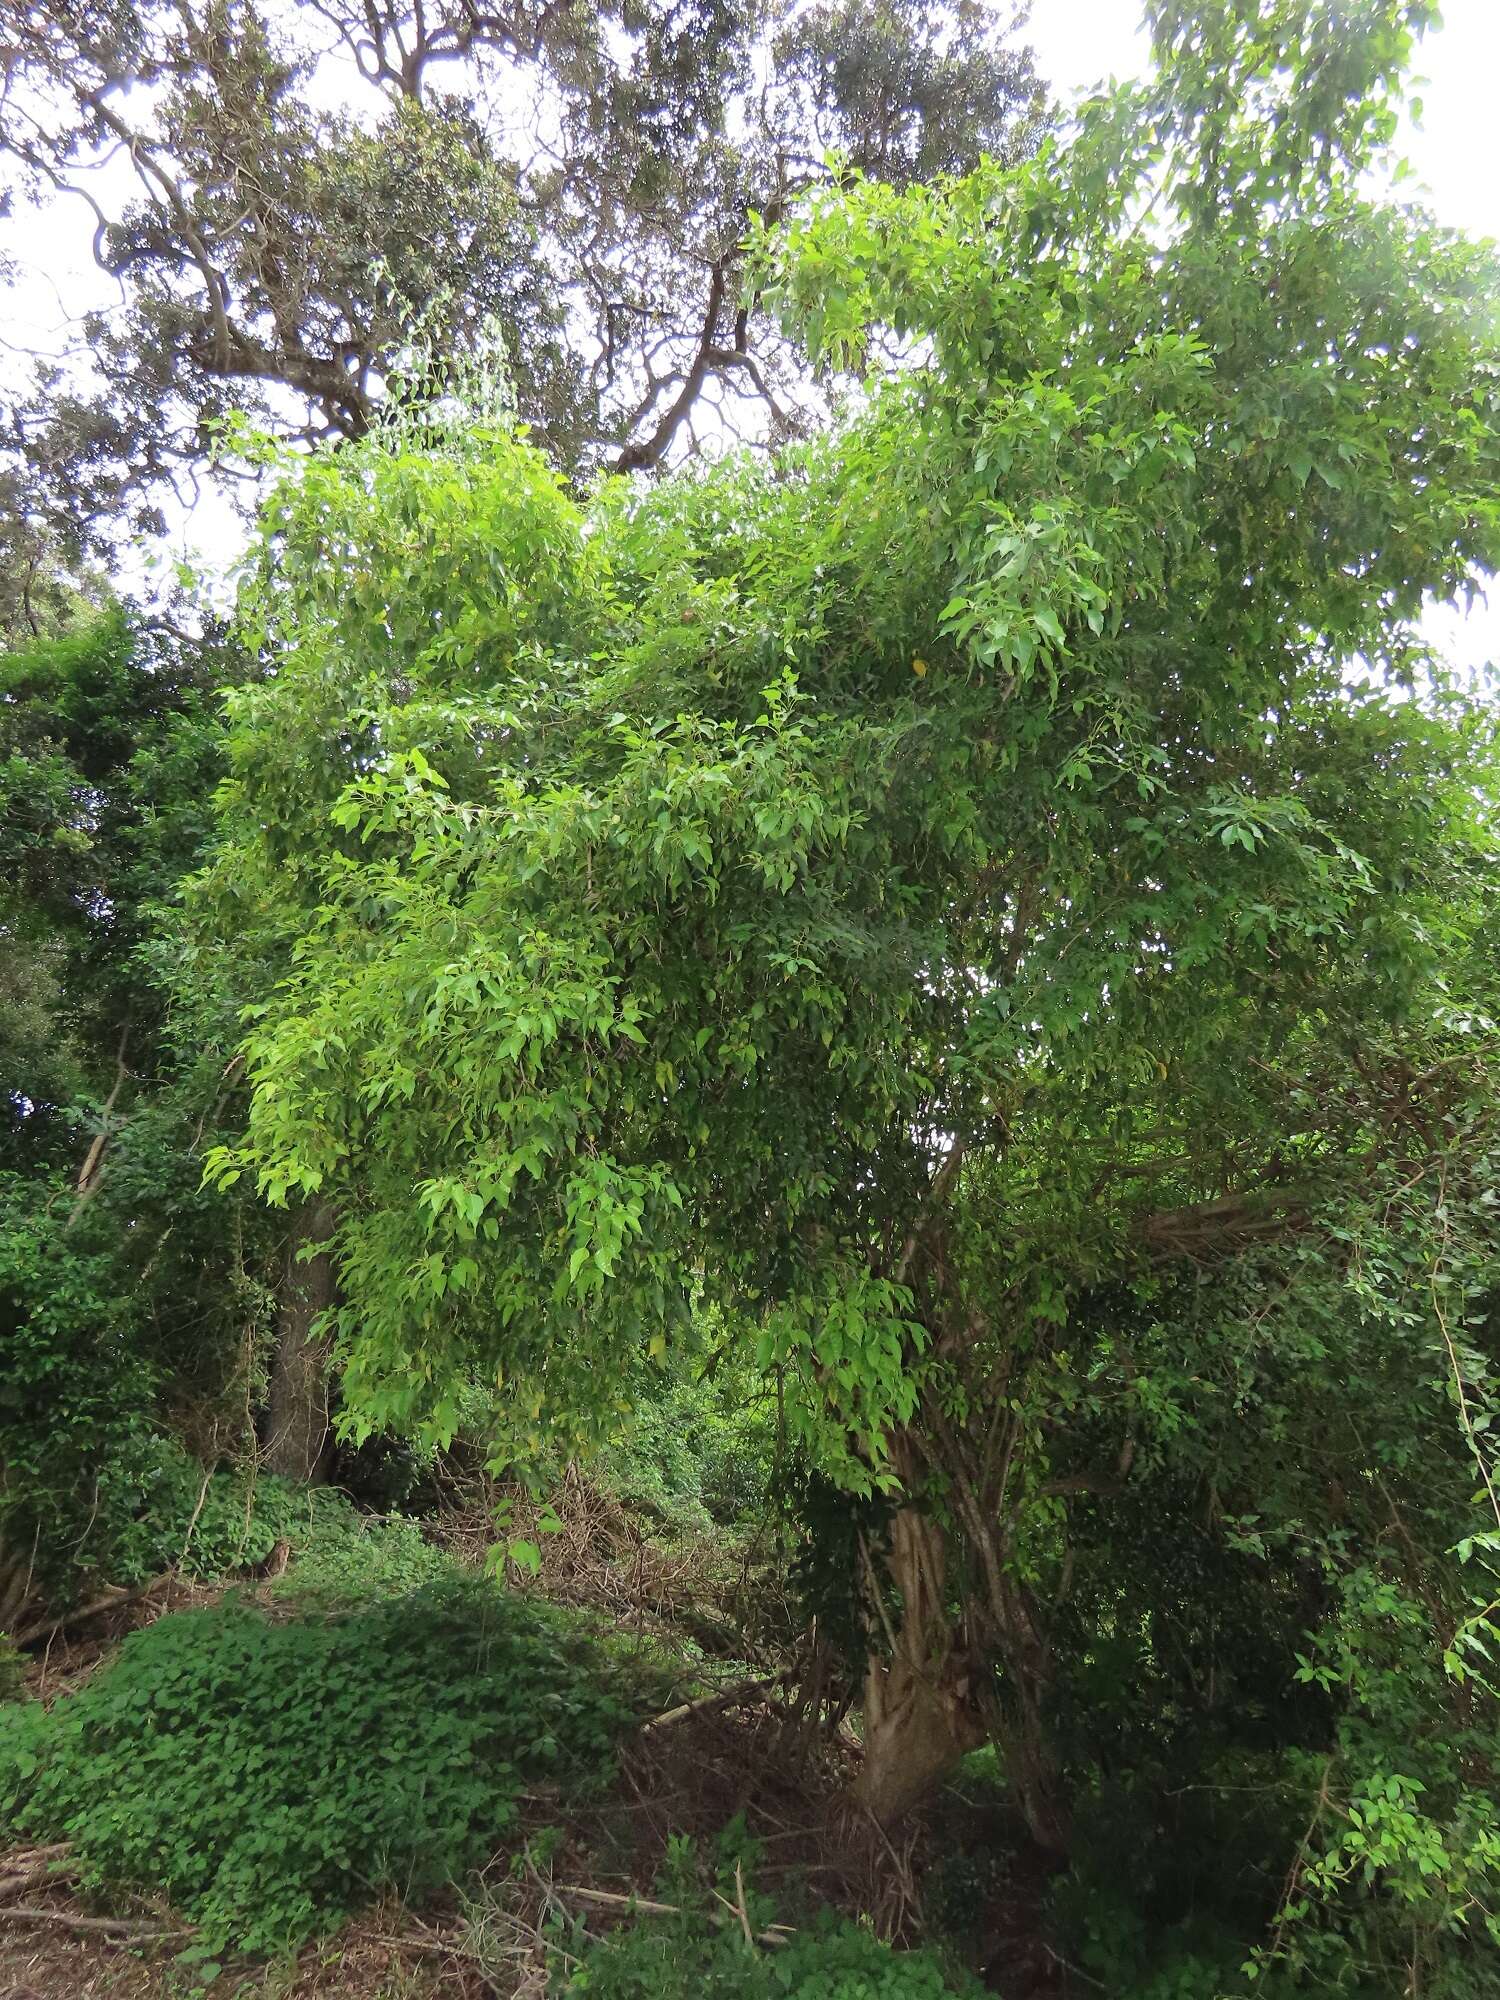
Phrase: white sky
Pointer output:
(1078, 42)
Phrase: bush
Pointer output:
(694, 1959)
(74, 1399)
(91, 1487)
(701, 1953)
(271, 1777)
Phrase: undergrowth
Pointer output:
(342, 1557)
(718, 1942)
(693, 1958)
(271, 1777)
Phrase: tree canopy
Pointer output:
(684, 878)
(318, 190)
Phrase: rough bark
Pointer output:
(297, 1428)
(920, 1717)
(15, 1590)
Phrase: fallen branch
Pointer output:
(27, 1857)
(115, 1927)
(774, 1937)
(439, 1947)
(742, 1691)
(115, 1600)
(33, 1878)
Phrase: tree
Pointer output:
(934, 893)
(107, 750)
(565, 186)
(126, 1288)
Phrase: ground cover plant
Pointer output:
(272, 1776)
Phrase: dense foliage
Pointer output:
(690, 1958)
(936, 989)
(125, 1287)
(381, 1748)
(998, 903)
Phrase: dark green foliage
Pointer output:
(78, 1456)
(700, 1951)
(92, 1486)
(270, 1777)
(132, 1306)
(108, 757)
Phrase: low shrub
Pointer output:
(344, 1558)
(166, 1513)
(692, 1958)
(271, 1777)
(701, 1953)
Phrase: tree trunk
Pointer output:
(1009, 1632)
(297, 1433)
(1019, 1725)
(919, 1715)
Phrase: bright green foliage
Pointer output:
(342, 1559)
(663, 881)
(270, 1777)
(923, 897)
(695, 1451)
(693, 1958)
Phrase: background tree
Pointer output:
(128, 1293)
(566, 185)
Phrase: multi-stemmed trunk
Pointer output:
(957, 1666)
(920, 1715)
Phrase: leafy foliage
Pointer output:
(976, 937)
(342, 1559)
(653, 1961)
(694, 1451)
(702, 1950)
(270, 1777)
(999, 907)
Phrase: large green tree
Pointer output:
(936, 892)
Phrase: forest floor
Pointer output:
(737, 1755)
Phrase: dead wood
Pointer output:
(113, 1600)
(774, 1937)
(710, 1704)
(121, 1928)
